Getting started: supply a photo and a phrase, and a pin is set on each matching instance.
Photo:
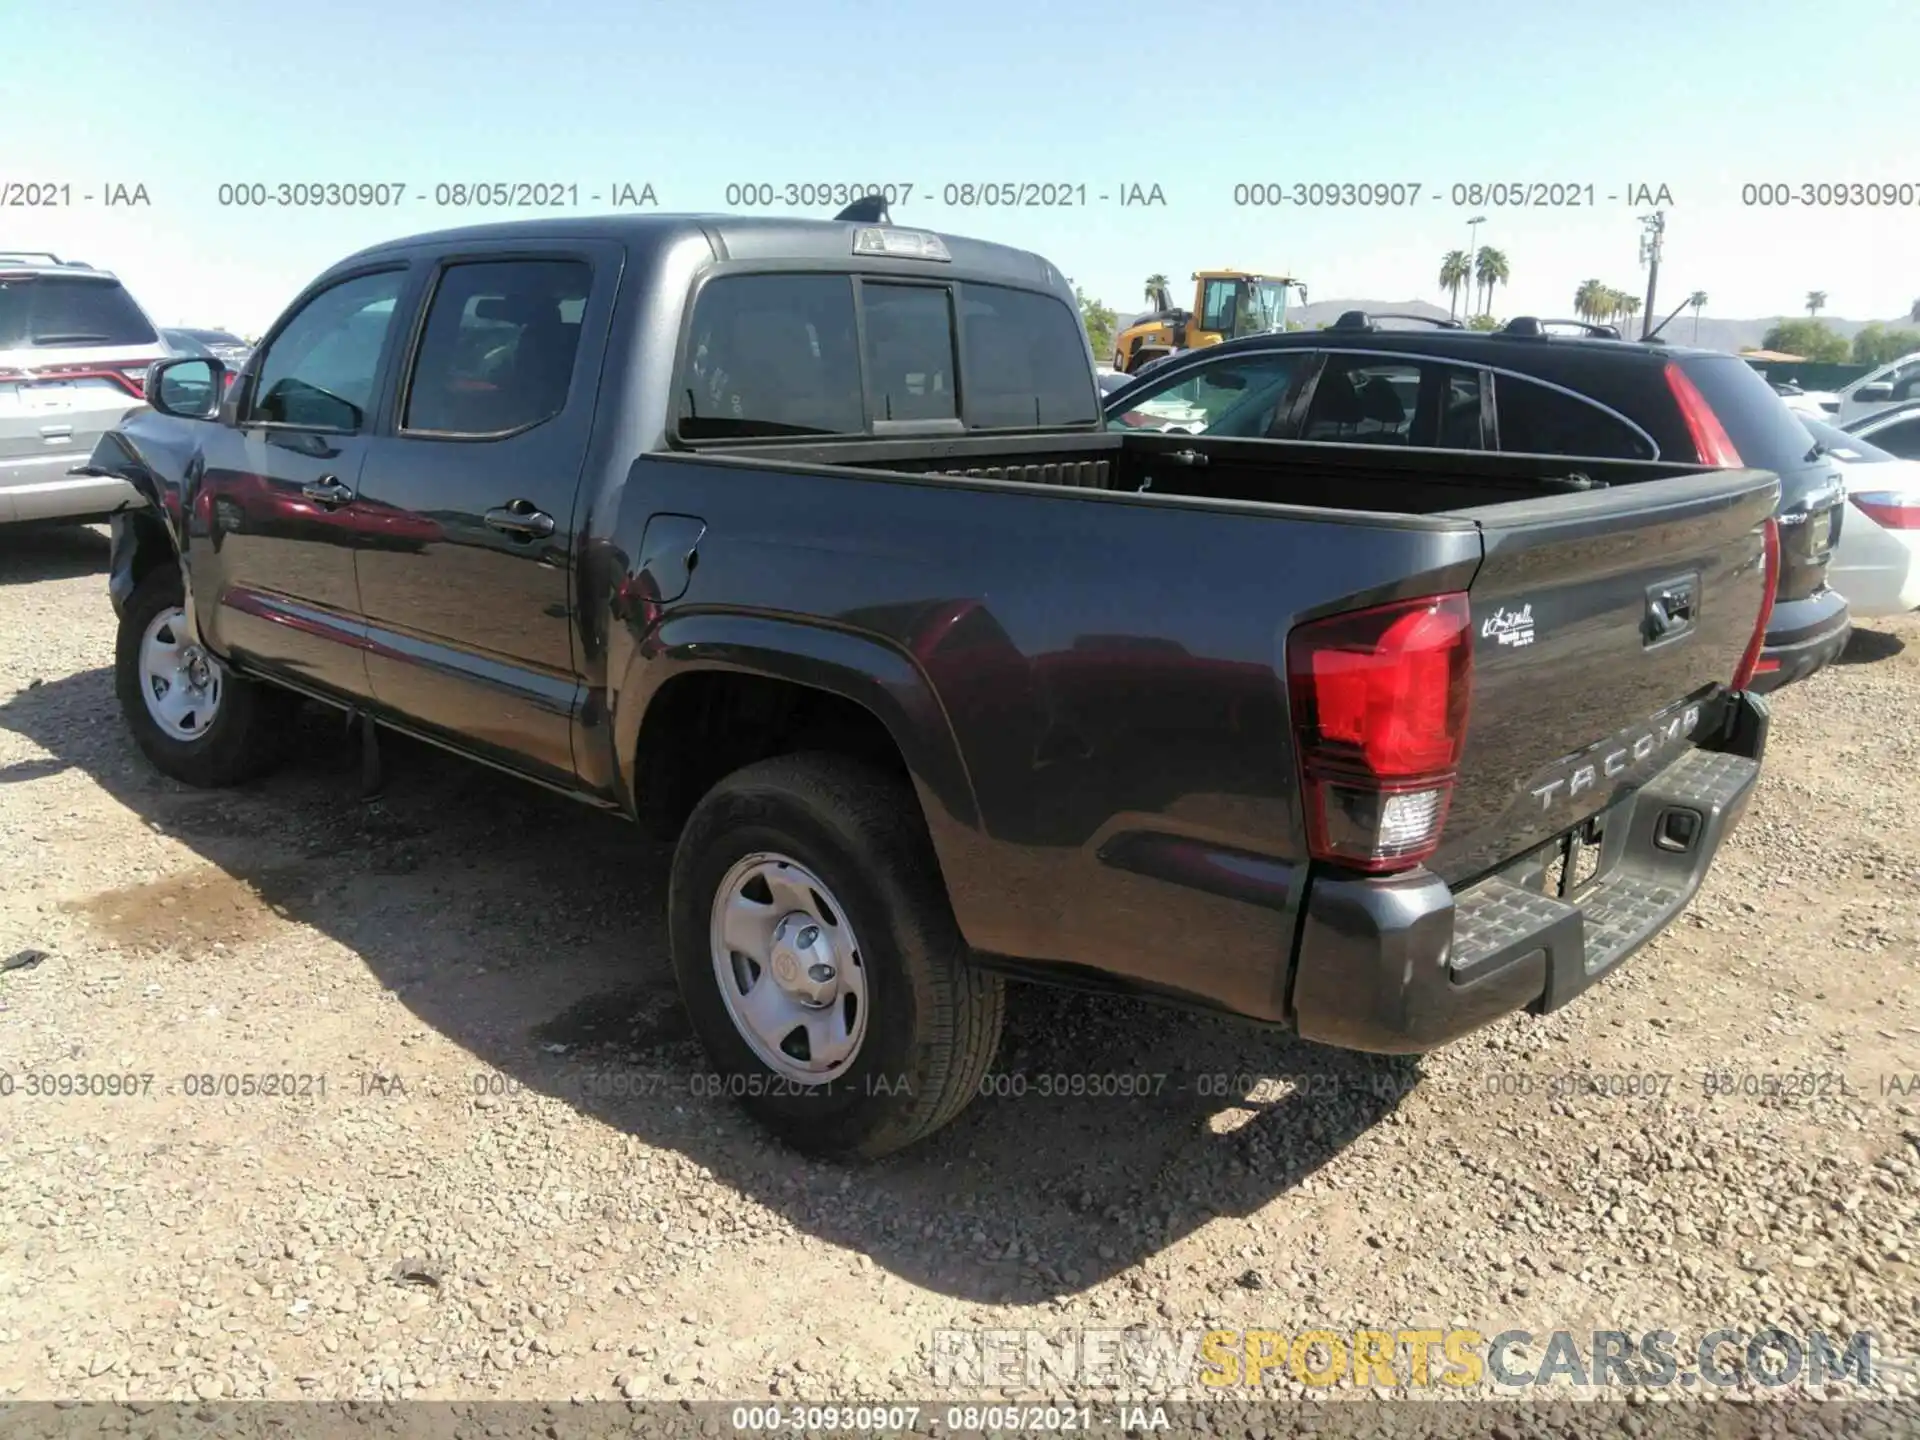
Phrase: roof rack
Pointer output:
(40, 257)
(1361, 320)
(1532, 325)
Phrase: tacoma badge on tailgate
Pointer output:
(1620, 755)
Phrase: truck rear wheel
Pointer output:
(819, 959)
(190, 716)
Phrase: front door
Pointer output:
(274, 586)
(469, 599)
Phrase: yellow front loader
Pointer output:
(1226, 305)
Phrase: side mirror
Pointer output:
(188, 388)
(1874, 394)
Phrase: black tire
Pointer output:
(249, 731)
(934, 1017)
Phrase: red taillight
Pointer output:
(1889, 509)
(1379, 700)
(129, 376)
(1710, 440)
(1750, 663)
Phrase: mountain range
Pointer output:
(1714, 333)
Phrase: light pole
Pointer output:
(1656, 227)
(1473, 243)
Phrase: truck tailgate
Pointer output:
(1600, 619)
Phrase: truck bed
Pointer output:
(1364, 478)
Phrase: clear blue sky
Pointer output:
(1699, 95)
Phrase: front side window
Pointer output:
(1240, 398)
(1906, 381)
(498, 351)
(319, 372)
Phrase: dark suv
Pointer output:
(1528, 389)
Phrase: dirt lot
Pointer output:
(497, 1172)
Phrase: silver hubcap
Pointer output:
(789, 968)
(180, 682)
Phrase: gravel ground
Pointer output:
(498, 1174)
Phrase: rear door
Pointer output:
(470, 508)
(1602, 620)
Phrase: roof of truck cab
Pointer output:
(739, 237)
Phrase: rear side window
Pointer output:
(1762, 428)
(1539, 420)
(49, 310)
(1026, 360)
(772, 355)
(498, 351)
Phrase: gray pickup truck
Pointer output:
(803, 542)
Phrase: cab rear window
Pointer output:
(783, 354)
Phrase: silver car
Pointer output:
(74, 352)
(222, 345)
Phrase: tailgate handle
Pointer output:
(1670, 608)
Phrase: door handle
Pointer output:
(327, 490)
(520, 519)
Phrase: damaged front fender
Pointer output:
(149, 453)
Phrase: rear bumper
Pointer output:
(1802, 637)
(1404, 965)
(39, 488)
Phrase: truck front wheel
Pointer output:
(192, 717)
(819, 959)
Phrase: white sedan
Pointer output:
(1876, 561)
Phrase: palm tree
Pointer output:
(1490, 269)
(1630, 307)
(1816, 301)
(1156, 282)
(1586, 300)
(1456, 271)
(1698, 300)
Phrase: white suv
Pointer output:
(74, 352)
